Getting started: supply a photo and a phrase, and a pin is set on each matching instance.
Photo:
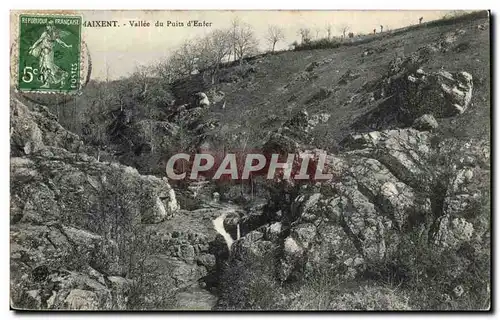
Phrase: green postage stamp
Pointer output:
(49, 53)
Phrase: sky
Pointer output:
(117, 51)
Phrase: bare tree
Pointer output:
(328, 29)
(274, 35)
(165, 70)
(203, 53)
(317, 31)
(305, 34)
(139, 79)
(184, 60)
(245, 42)
(235, 24)
(213, 49)
(343, 29)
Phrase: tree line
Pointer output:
(208, 52)
(239, 41)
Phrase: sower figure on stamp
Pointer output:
(43, 49)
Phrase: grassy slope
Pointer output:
(252, 100)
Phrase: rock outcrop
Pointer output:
(90, 235)
(441, 94)
(32, 130)
(87, 234)
(407, 92)
(386, 184)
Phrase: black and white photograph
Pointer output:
(250, 160)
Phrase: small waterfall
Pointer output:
(219, 227)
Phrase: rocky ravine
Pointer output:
(95, 235)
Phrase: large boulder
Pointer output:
(70, 212)
(295, 133)
(32, 130)
(453, 232)
(416, 92)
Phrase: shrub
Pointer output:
(317, 44)
(250, 284)
(430, 276)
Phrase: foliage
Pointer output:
(317, 44)
(249, 284)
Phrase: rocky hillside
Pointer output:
(400, 207)
(96, 235)
(345, 89)
(403, 224)
(351, 83)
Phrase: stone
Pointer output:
(34, 300)
(305, 206)
(78, 299)
(273, 231)
(425, 122)
(207, 260)
(291, 256)
(187, 252)
(401, 151)
(252, 246)
(453, 232)
(32, 130)
(66, 202)
(458, 291)
(203, 100)
(291, 246)
(316, 119)
(303, 235)
(441, 94)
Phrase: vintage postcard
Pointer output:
(250, 160)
